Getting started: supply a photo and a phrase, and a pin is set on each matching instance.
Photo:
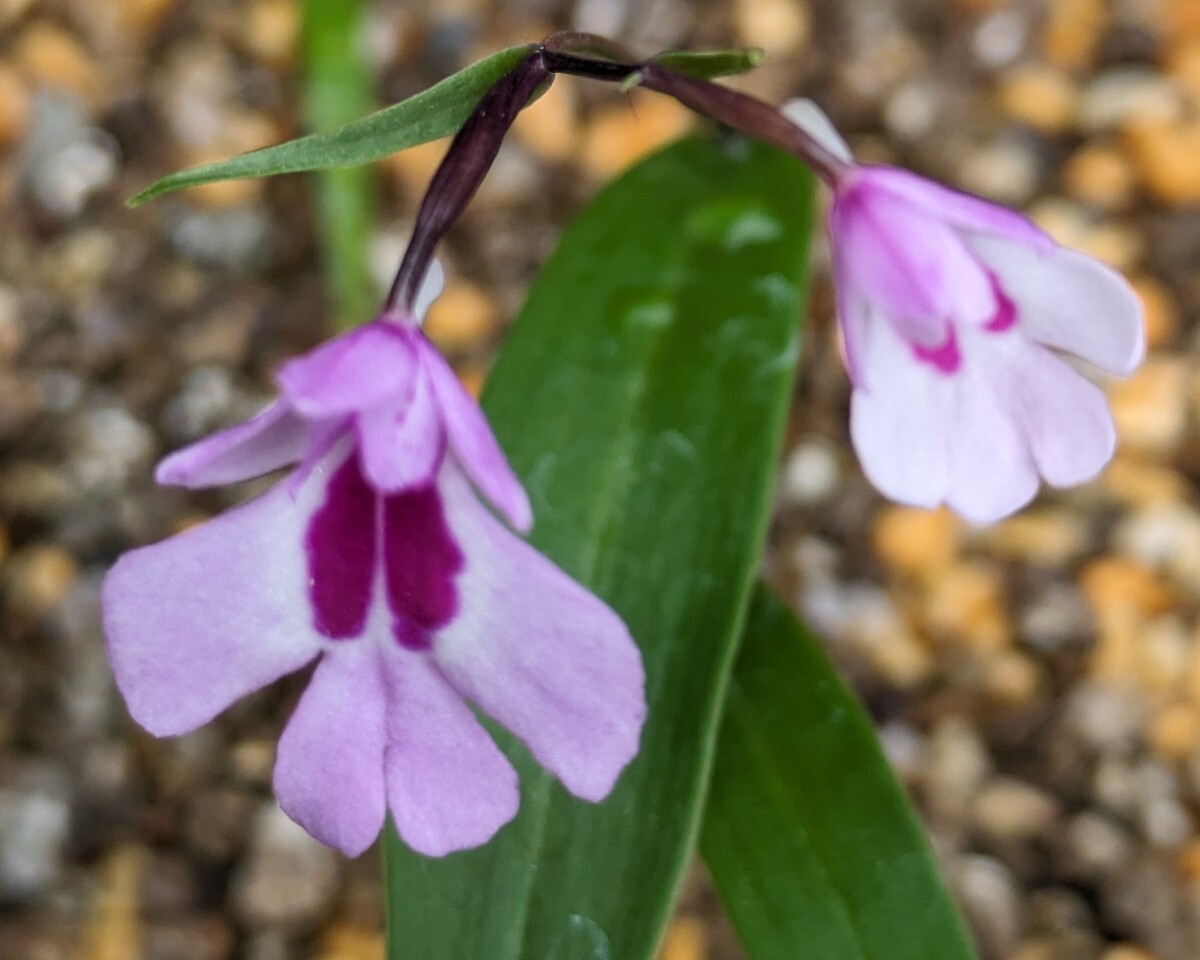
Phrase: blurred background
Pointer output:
(1036, 684)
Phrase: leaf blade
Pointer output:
(624, 441)
(812, 844)
(429, 115)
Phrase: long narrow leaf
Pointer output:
(433, 113)
(641, 396)
(812, 844)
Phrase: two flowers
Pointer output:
(378, 557)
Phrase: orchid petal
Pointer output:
(992, 471)
(539, 653)
(1064, 417)
(960, 210)
(913, 268)
(356, 371)
(329, 764)
(1071, 302)
(810, 118)
(202, 619)
(853, 312)
(448, 785)
(430, 289)
(402, 441)
(900, 422)
(275, 438)
(474, 444)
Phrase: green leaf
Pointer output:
(711, 64)
(431, 114)
(338, 88)
(814, 847)
(641, 396)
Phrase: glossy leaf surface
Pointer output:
(812, 843)
(641, 395)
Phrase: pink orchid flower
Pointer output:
(953, 313)
(377, 557)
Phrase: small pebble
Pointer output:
(1114, 99)
(1040, 97)
(991, 899)
(35, 816)
(966, 604)
(1100, 175)
(289, 879)
(461, 318)
(915, 542)
(957, 764)
(775, 26)
(1072, 31)
(1008, 809)
(1097, 845)
(812, 472)
(627, 130)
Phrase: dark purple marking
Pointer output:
(341, 554)
(945, 358)
(1006, 310)
(421, 560)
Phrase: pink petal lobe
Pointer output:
(275, 438)
(913, 268)
(813, 120)
(959, 210)
(1071, 302)
(899, 422)
(473, 443)
(448, 785)
(1065, 417)
(329, 765)
(199, 620)
(353, 372)
(853, 313)
(402, 441)
(539, 653)
(992, 471)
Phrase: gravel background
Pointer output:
(1037, 684)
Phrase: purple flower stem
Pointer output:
(737, 110)
(471, 154)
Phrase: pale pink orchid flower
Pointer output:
(955, 314)
(377, 558)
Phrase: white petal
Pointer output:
(431, 288)
(816, 123)
(1071, 302)
(1064, 417)
(992, 471)
(899, 421)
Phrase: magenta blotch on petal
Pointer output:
(376, 556)
(341, 549)
(421, 562)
